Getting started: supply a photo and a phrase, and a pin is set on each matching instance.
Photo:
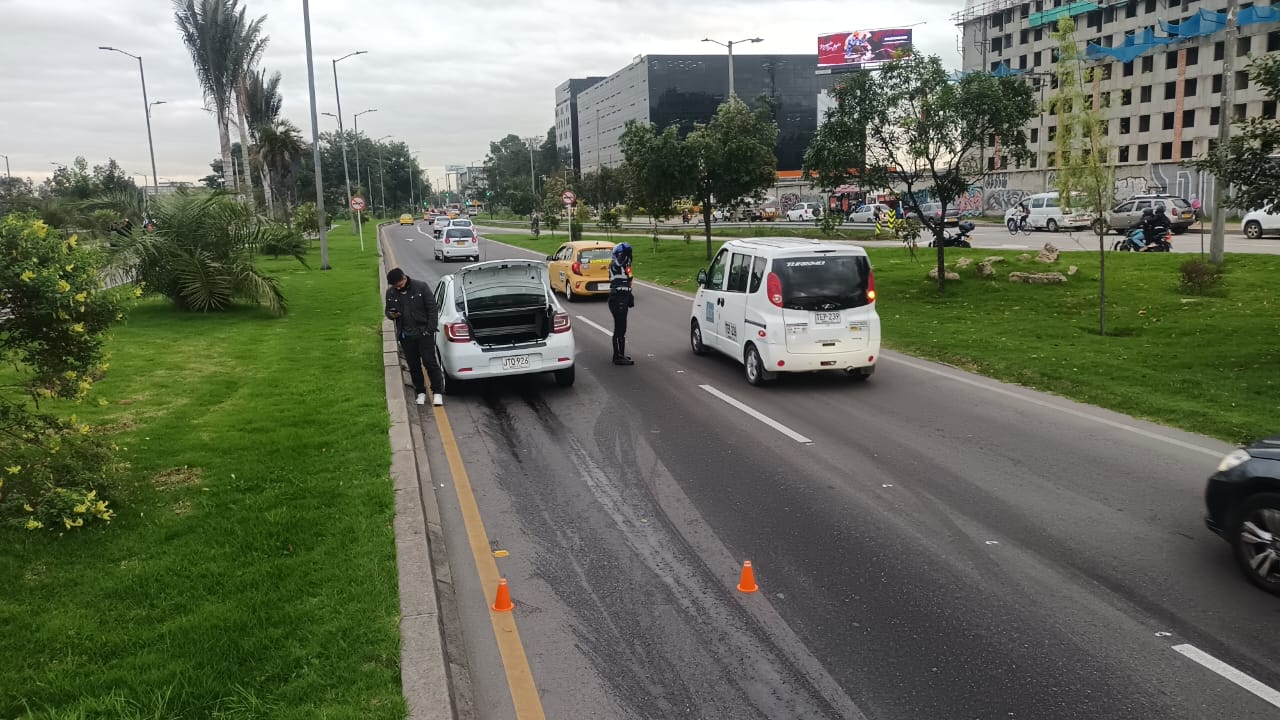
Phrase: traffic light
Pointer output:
(488, 193)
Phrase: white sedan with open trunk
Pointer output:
(500, 318)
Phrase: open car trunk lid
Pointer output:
(507, 302)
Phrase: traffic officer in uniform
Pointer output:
(621, 300)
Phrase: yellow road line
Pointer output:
(524, 693)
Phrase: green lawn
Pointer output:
(1205, 364)
(250, 571)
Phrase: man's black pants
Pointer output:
(419, 351)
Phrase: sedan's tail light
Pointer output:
(774, 287)
(457, 332)
(561, 323)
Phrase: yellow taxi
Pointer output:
(580, 269)
(406, 219)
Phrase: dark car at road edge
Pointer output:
(1243, 503)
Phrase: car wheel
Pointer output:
(568, 293)
(446, 385)
(695, 339)
(1253, 229)
(1052, 225)
(1256, 540)
(1100, 227)
(565, 377)
(753, 366)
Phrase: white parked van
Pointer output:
(788, 305)
(1047, 213)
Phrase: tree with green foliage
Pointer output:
(1084, 175)
(201, 256)
(733, 156)
(659, 171)
(1250, 161)
(552, 205)
(51, 469)
(910, 125)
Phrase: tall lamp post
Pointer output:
(346, 171)
(357, 128)
(322, 220)
(7, 174)
(382, 190)
(146, 108)
(533, 182)
(730, 45)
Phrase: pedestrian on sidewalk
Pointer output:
(621, 300)
(412, 307)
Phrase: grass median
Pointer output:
(1204, 363)
(250, 571)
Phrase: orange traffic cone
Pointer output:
(747, 583)
(502, 603)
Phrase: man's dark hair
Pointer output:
(394, 275)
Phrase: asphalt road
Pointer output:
(942, 546)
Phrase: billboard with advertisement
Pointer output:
(851, 50)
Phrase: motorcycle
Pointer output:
(1135, 241)
(958, 240)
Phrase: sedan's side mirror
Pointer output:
(702, 278)
(550, 258)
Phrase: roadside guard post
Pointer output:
(357, 204)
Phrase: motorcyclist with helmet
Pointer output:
(1155, 226)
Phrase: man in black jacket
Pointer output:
(412, 307)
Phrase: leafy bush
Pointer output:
(610, 220)
(280, 241)
(201, 254)
(1199, 277)
(50, 467)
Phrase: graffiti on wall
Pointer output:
(788, 201)
(970, 203)
(1127, 187)
(998, 201)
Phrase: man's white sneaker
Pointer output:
(438, 400)
(421, 399)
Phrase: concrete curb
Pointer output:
(424, 668)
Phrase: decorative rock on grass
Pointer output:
(1049, 278)
(1049, 254)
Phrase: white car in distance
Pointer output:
(804, 212)
(500, 318)
(1261, 222)
(458, 242)
(867, 213)
(439, 224)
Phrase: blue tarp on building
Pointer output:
(1201, 24)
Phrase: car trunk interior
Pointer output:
(507, 304)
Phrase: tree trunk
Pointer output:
(706, 223)
(245, 171)
(267, 194)
(229, 181)
(942, 260)
(1102, 285)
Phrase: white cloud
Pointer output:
(444, 81)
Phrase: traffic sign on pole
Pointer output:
(357, 204)
(568, 198)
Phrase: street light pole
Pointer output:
(1217, 235)
(346, 171)
(322, 224)
(533, 182)
(7, 174)
(730, 45)
(382, 190)
(146, 107)
(357, 127)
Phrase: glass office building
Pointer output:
(684, 90)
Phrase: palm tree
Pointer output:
(209, 31)
(280, 148)
(262, 110)
(202, 251)
(249, 47)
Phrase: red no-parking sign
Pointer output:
(357, 204)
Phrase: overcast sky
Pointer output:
(444, 77)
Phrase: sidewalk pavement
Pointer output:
(427, 676)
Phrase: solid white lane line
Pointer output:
(596, 325)
(419, 229)
(1245, 681)
(748, 410)
(990, 386)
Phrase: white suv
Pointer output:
(788, 305)
(805, 211)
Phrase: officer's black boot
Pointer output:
(620, 352)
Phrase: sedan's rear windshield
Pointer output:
(458, 233)
(462, 223)
(587, 256)
(823, 283)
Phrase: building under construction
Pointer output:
(1159, 78)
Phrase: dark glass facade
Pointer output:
(687, 89)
